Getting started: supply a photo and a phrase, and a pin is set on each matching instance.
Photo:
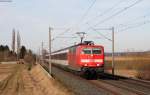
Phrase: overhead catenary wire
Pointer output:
(66, 37)
(108, 18)
(113, 15)
(61, 34)
(102, 35)
(127, 23)
(106, 11)
(82, 18)
(86, 12)
(135, 25)
(119, 12)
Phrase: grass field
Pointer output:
(15, 79)
(131, 66)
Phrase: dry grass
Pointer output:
(138, 64)
(50, 86)
(15, 79)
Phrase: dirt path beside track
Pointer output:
(17, 80)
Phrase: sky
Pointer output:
(32, 18)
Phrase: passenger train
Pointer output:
(85, 57)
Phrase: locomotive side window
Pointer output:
(96, 51)
(86, 51)
(73, 50)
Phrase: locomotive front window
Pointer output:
(96, 51)
(86, 51)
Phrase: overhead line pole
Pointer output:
(39, 59)
(50, 64)
(113, 45)
(42, 52)
(113, 49)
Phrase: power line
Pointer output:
(67, 37)
(135, 25)
(106, 11)
(102, 35)
(117, 13)
(125, 24)
(84, 15)
(67, 30)
(87, 11)
(102, 21)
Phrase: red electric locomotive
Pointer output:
(86, 57)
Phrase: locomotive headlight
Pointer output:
(98, 64)
(85, 64)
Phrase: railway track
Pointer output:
(105, 85)
(138, 83)
(139, 87)
(132, 88)
(79, 85)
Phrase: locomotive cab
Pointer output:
(86, 57)
(92, 58)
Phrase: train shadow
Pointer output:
(106, 76)
(102, 76)
(89, 75)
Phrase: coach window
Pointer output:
(86, 51)
(96, 51)
(71, 50)
(74, 49)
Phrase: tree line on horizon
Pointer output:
(8, 55)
